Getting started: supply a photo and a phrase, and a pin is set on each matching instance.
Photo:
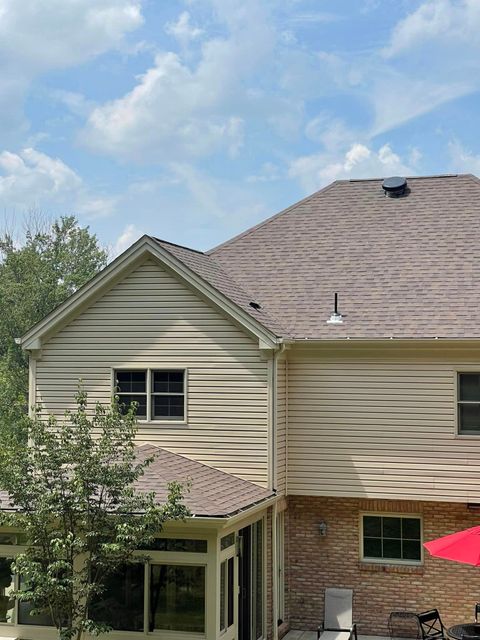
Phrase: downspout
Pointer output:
(274, 509)
(274, 573)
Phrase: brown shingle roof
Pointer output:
(213, 273)
(407, 267)
(212, 492)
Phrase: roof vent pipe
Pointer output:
(335, 318)
(394, 187)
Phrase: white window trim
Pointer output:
(149, 394)
(390, 561)
(457, 372)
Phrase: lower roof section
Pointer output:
(212, 493)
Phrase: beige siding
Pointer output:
(380, 424)
(281, 415)
(151, 319)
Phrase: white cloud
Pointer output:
(31, 179)
(183, 30)
(396, 98)
(358, 161)
(179, 111)
(463, 159)
(129, 235)
(52, 34)
(44, 35)
(446, 21)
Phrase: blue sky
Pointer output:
(192, 120)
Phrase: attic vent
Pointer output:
(255, 306)
(394, 187)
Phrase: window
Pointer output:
(392, 539)
(121, 604)
(179, 544)
(468, 403)
(7, 586)
(227, 569)
(227, 541)
(159, 393)
(177, 598)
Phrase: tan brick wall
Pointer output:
(316, 562)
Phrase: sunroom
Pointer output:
(205, 578)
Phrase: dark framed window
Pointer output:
(121, 604)
(392, 538)
(468, 403)
(131, 386)
(168, 395)
(177, 598)
(158, 393)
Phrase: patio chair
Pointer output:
(404, 624)
(431, 625)
(338, 617)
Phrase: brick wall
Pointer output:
(315, 562)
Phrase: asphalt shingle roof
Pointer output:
(212, 272)
(404, 267)
(212, 492)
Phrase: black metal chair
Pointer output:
(404, 624)
(467, 637)
(477, 611)
(431, 625)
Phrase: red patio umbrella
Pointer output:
(463, 546)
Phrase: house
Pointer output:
(327, 436)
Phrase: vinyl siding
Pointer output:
(281, 408)
(380, 424)
(151, 319)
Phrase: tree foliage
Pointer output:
(73, 486)
(36, 276)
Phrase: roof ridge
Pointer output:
(272, 218)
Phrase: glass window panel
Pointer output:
(372, 526)
(223, 584)
(7, 586)
(230, 592)
(469, 418)
(168, 381)
(168, 407)
(372, 548)
(258, 578)
(392, 548)
(411, 550)
(8, 538)
(126, 400)
(131, 381)
(121, 604)
(179, 544)
(469, 386)
(24, 616)
(177, 598)
(391, 527)
(411, 528)
(227, 541)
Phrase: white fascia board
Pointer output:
(144, 246)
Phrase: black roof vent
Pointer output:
(394, 187)
(255, 306)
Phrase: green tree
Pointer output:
(73, 485)
(37, 275)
